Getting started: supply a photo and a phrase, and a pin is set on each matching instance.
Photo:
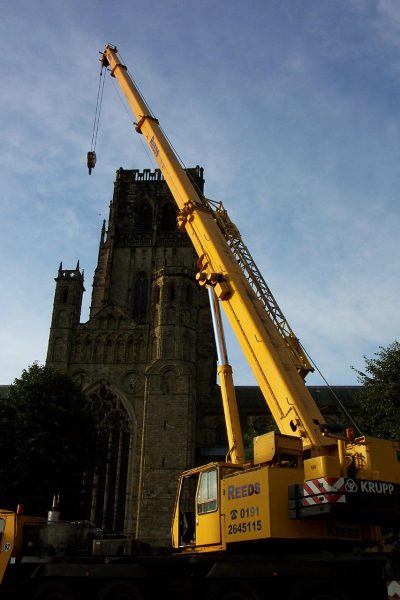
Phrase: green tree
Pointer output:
(49, 441)
(380, 396)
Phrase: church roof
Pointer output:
(251, 396)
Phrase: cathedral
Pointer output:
(146, 358)
(146, 355)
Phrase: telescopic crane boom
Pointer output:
(269, 345)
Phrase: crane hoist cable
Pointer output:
(91, 155)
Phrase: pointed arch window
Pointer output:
(64, 296)
(145, 217)
(140, 293)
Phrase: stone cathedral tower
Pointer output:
(146, 355)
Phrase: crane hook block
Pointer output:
(91, 160)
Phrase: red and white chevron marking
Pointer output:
(323, 490)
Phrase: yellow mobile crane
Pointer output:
(299, 521)
(305, 483)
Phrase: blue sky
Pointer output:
(292, 108)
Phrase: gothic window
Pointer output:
(168, 218)
(111, 480)
(172, 293)
(145, 217)
(140, 288)
(64, 296)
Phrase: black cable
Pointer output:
(99, 102)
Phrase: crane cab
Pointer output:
(197, 523)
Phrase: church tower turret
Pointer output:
(66, 313)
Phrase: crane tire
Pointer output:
(120, 590)
(53, 590)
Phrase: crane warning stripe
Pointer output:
(323, 490)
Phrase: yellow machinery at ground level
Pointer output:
(281, 497)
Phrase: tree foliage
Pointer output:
(49, 443)
(380, 396)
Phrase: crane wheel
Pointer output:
(120, 590)
(53, 590)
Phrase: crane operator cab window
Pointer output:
(208, 491)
